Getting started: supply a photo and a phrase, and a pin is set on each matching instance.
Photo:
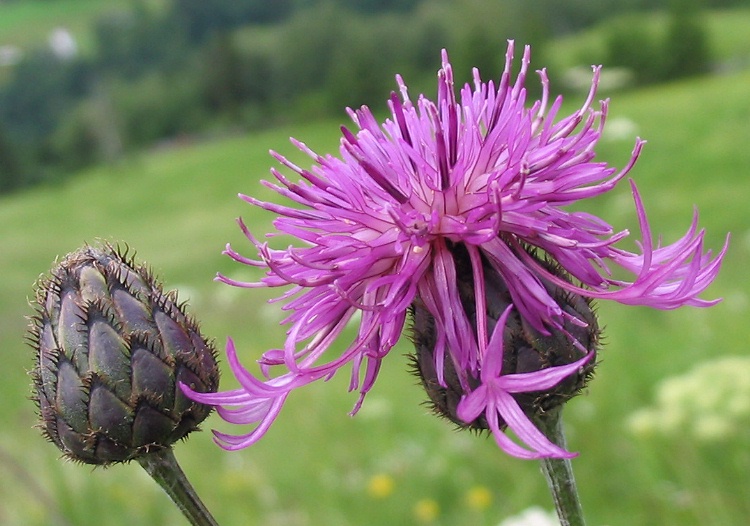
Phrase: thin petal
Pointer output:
(492, 362)
(525, 428)
(472, 405)
(543, 379)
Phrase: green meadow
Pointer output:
(394, 463)
(28, 23)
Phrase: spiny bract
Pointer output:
(525, 349)
(111, 350)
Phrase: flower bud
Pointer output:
(526, 349)
(111, 349)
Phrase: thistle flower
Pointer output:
(111, 349)
(462, 192)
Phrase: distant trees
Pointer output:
(196, 65)
(11, 170)
(678, 49)
(44, 91)
(201, 19)
(686, 43)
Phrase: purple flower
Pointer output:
(377, 227)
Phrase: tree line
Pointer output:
(196, 67)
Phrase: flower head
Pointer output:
(111, 348)
(484, 173)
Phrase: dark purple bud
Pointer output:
(111, 348)
(526, 349)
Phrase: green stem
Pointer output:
(164, 469)
(559, 472)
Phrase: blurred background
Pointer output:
(140, 121)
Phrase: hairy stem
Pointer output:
(559, 472)
(164, 469)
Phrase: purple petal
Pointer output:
(473, 404)
(492, 361)
(541, 380)
(525, 428)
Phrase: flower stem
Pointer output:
(162, 466)
(559, 472)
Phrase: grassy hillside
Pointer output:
(28, 23)
(176, 207)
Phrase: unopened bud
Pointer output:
(111, 349)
